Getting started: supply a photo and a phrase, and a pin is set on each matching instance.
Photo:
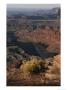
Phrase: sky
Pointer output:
(31, 6)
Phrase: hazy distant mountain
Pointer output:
(49, 11)
(24, 11)
(32, 11)
(53, 13)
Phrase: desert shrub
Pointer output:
(34, 66)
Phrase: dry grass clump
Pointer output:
(33, 65)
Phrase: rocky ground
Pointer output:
(34, 72)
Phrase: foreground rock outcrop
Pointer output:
(48, 73)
